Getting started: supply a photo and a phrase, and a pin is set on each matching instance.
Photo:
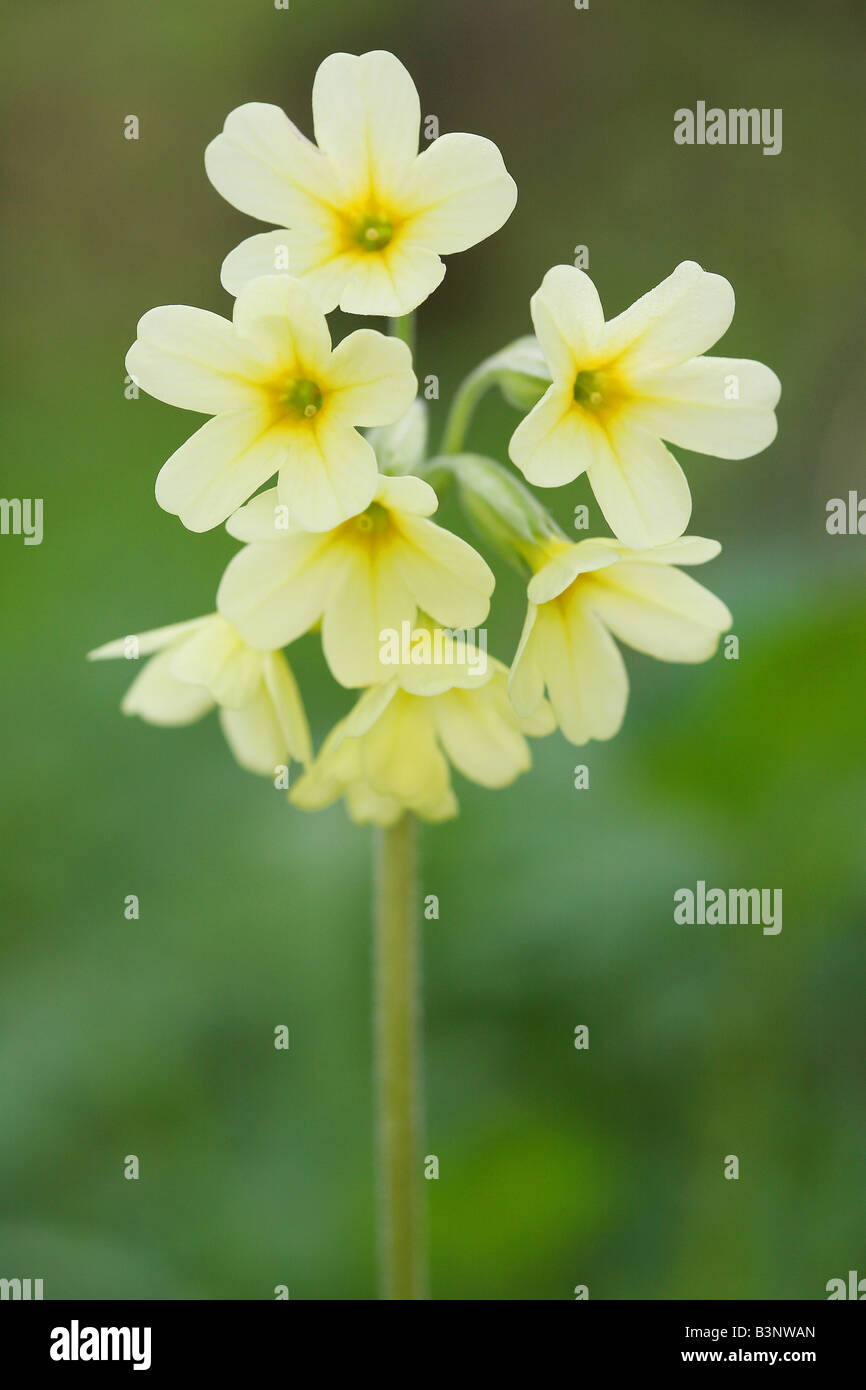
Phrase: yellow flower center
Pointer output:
(300, 397)
(372, 231)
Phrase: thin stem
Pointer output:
(404, 329)
(465, 400)
(398, 1064)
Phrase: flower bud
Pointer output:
(401, 447)
(522, 374)
(501, 509)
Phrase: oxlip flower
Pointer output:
(363, 217)
(283, 401)
(363, 580)
(584, 595)
(619, 389)
(198, 665)
(392, 752)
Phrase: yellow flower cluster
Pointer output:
(343, 542)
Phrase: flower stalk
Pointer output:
(397, 1063)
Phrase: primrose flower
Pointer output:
(197, 665)
(363, 580)
(363, 217)
(391, 753)
(619, 388)
(283, 402)
(584, 595)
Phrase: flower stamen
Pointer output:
(373, 232)
(301, 397)
(589, 389)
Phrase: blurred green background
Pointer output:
(154, 1037)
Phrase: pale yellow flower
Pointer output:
(584, 595)
(620, 388)
(364, 579)
(283, 402)
(201, 664)
(363, 217)
(391, 753)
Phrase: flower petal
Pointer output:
(659, 610)
(219, 467)
(678, 319)
(392, 282)
(266, 253)
(146, 642)
(274, 591)
(691, 405)
(553, 578)
(367, 807)
(193, 359)
(367, 119)
(370, 378)
(288, 707)
(526, 677)
(215, 657)
(368, 601)
(282, 320)
(687, 550)
(157, 696)
(400, 756)
(568, 320)
(405, 493)
(457, 193)
(255, 735)
(318, 257)
(640, 487)
(329, 474)
(447, 578)
(480, 734)
(583, 670)
(263, 165)
(556, 441)
(260, 519)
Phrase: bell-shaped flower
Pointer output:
(363, 218)
(202, 664)
(392, 752)
(364, 581)
(583, 596)
(283, 401)
(619, 389)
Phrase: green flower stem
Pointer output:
(404, 329)
(402, 1250)
(463, 406)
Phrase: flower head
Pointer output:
(584, 595)
(283, 400)
(197, 665)
(362, 580)
(391, 753)
(363, 217)
(619, 388)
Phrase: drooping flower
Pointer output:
(364, 580)
(584, 595)
(197, 665)
(391, 753)
(619, 388)
(363, 217)
(283, 400)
